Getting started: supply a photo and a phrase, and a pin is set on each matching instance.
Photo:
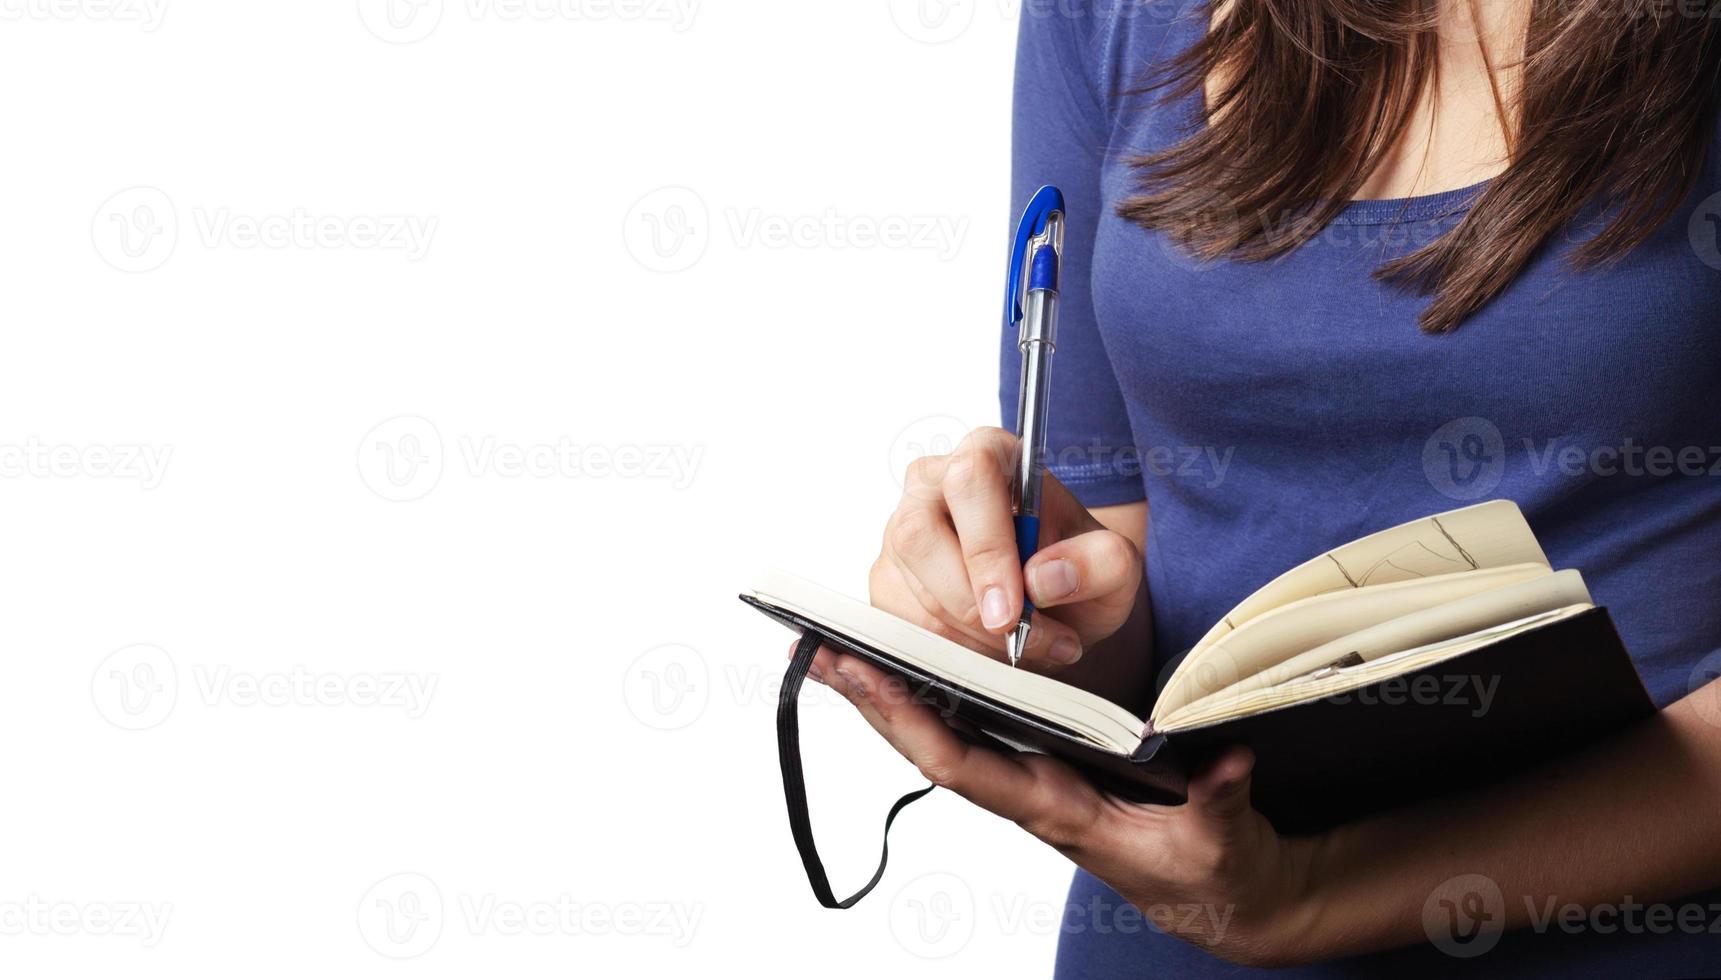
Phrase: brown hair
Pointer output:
(1616, 105)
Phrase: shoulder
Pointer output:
(1116, 41)
(1109, 47)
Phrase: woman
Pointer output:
(1333, 266)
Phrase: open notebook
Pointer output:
(1406, 663)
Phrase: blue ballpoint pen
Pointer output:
(1031, 306)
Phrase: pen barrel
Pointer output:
(1038, 342)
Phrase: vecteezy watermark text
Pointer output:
(35, 459)
(402, 916)
(565, 458)
(1465, 916)
(409, 21)
(137, 687)
(941, 435)
(1466, 458)
(941, 235)
(402, 459)
(147, 14)
(409, 234)
(302, 687)
(935, 916)
(1474, 691)
(669, 230)
(565, 915)
(36, 916)
(942, 21)
(138, 230)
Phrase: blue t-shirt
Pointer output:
(1270, 411)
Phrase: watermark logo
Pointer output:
(1216, 213)
(1216, 670)
(933, 21)
(136, 229)
(1465, 458)
(668, 229)
(667, 687)
(1705, 231)
(1465, 916)
(400, 917)
(135, 687)
(400, 459)
(933, 916)
(930, 435)
(401, 21)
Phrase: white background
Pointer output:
(319, 653)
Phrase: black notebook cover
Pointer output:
(1480, 716)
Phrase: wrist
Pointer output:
(1296, 933)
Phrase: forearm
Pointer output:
(1634, 817)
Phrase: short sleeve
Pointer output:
(1059, 137)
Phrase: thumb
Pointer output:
(1220, 791)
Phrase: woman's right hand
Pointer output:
(949, 560)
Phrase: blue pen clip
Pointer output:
(1046, 201)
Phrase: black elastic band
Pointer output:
(795, 787)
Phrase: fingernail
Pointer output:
(1065, 651)
(995, 609)
(815, 673)
(1053, 580)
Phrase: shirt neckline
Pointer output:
(1426, 207)
(1381, 211)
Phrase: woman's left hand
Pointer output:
(1212, 871)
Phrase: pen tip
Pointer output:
(1016, 643)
